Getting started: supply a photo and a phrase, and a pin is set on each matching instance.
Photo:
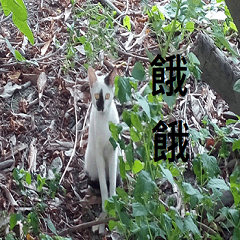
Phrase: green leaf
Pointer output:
(50, 225)
(10, 236)
(145, 186)
(24, 28)
(28, 178)
(88, 47)
(82, 39)
(139, 210)
(234, 214)
(188, 188)
(113, 142)
(114, 130)
(137, 166)
(217, 183)
(144, 104)
(189, 26)
(112, 224)
(233, 26)
(150, 56)
(136, 122)
(122, 194)
(129, 154)
(235, 185)
(17, 7)
(218, 34)
(190, 225)
(208, 163)
(167, 174)
(124, 89)
(17, 175)
(18, 56)
(126, 22)
(122, 168)
(41, 181)
(236, 86)
(236, 145)
(14, 218)
(170, 100)
(134, 135)
(138, 71)
(126, 117)
(193, 58)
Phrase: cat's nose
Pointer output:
(100, 108)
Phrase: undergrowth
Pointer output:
(139, 206)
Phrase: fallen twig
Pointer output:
(76, 135)
(85, 225)
(132, 55)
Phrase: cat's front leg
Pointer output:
(102, 178)
(112, 163)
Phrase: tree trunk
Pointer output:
(217, 70)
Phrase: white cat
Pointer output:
(101, 160)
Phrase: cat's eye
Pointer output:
(96, 95)
(107, 96)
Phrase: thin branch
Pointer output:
(144, 59)
(85, 225)
(76, 135)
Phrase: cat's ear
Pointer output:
(109, 79)
(91, 76)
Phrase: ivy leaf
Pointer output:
(138, 71)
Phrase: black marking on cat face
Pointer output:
(107, 80)
(100, 102)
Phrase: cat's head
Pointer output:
(102, 89)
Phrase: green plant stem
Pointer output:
(172, 31)
(149, 230)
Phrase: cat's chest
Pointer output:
(99, 124)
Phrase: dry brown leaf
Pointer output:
(32, 156)
(41, 83)
(9, 195)
(67, 13)
(15, 76)
(45, 47)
